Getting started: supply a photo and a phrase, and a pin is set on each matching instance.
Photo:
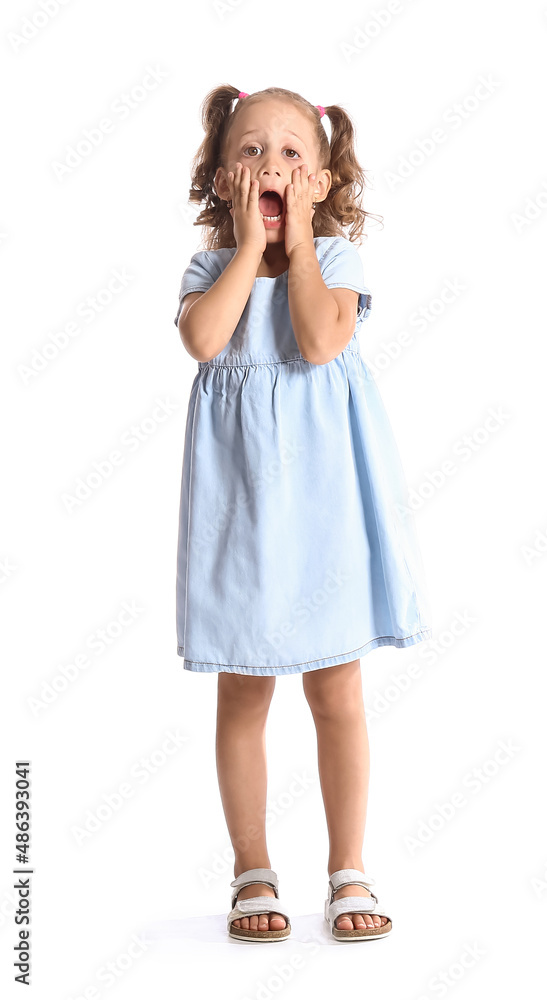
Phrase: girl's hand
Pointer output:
(249, 229)
(299, 200)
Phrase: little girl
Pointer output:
(296, 551)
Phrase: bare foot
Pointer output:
(349, 921)
(261, 921)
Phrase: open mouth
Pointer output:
(271, 206)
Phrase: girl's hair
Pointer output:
(338, 210)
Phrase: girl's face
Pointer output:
(272, 137)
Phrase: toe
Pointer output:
(368, 920)
(358, 921)
(376, 921)
(263, 922)
(344, 923)
(277, 922)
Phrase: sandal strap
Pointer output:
(252, 876)
(256, 905)
(348, 876)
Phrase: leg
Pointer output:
(243, 702)
(335, 697)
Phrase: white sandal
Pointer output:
(256, 905)
(353, 904)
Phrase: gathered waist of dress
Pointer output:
(242, 361)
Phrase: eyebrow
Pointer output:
(255, 131)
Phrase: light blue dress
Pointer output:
(296, 547)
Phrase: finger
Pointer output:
(305, 180)
(302, 176)
(247, 185)
(253, 194)
(242, 191)
(235, 183)
(231, 184)
(307, 186)
(245, 181)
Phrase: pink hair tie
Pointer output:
(321, 110)
(242, 94)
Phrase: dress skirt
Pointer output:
(297, 549)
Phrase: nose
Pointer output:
(271, 172)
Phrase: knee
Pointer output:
(333, 695)
(339, 710)
(245, 693)
(329, 705)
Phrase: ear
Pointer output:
(322, 185)
(221, 184)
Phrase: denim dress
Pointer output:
(296, 546)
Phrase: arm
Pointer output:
(323, 319)
(208, 319)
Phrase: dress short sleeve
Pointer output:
(341, 267)
(201, 273)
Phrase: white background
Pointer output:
(472, 211)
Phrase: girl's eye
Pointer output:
(292, 151)
(250, 147)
